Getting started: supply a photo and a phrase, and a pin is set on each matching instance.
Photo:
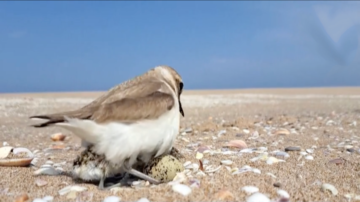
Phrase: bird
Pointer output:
(90, 166)
(132, 123)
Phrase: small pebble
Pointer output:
(351, 150)
(277, 184)
(287, 149)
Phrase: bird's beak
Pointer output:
(181, 109)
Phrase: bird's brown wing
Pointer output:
(151, 100)
(133, 91)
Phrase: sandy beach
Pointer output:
(322, 123)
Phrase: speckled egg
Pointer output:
(164, 168)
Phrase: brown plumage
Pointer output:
(125, 97)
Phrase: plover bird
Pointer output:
(132, 123)
(90, 166)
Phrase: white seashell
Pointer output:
(5, 144)
(64, 190)
(213, 170)
(181, 189)
(48, 198)
(200, 173)
(246, 131)
(258, 197)
(71, 188)
(309, 157)
(22, 149)
(310, 151)
(250, 189)
(247, 150)
(40, 182)
(112, 199)
(46, 166)
(47, 171)
(303, 153)
(329, 187)
(271, 160)
(187, 163)
(143, 200)
(39, 200)
(222, 132)
(226, 162)
(271, 175)
(281, 153)
(255, 170)
(49, 162)
(5, 151)
(283, 193)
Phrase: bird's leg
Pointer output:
(139, 174)
(101, 183)
(143, 176)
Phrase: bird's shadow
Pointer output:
(110, 180)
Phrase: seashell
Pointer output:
(283, 193)
(281, 153)
(226, 162)
(310, 151)
(40, 182)
(5, 151)
(258, 197)
(329, 187)
(181, 189)
(282, 131)
(112, 199)
(224, 194)
(165, 168)
(48, 198)
(309, 157)
(143, 200)
(250, 189)
(22, 198)
(71, 188)
(248, 150)
(271, 160)
(58, 137)
(213, 170)
(199, 155)
(237, 144)
(16, 162)
(222, 132)
(47, 171)
(271, 175)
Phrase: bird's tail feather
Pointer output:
(84, 129)
(58, 118)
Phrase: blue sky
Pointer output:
(93, 45)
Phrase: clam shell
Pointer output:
(17, 161)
